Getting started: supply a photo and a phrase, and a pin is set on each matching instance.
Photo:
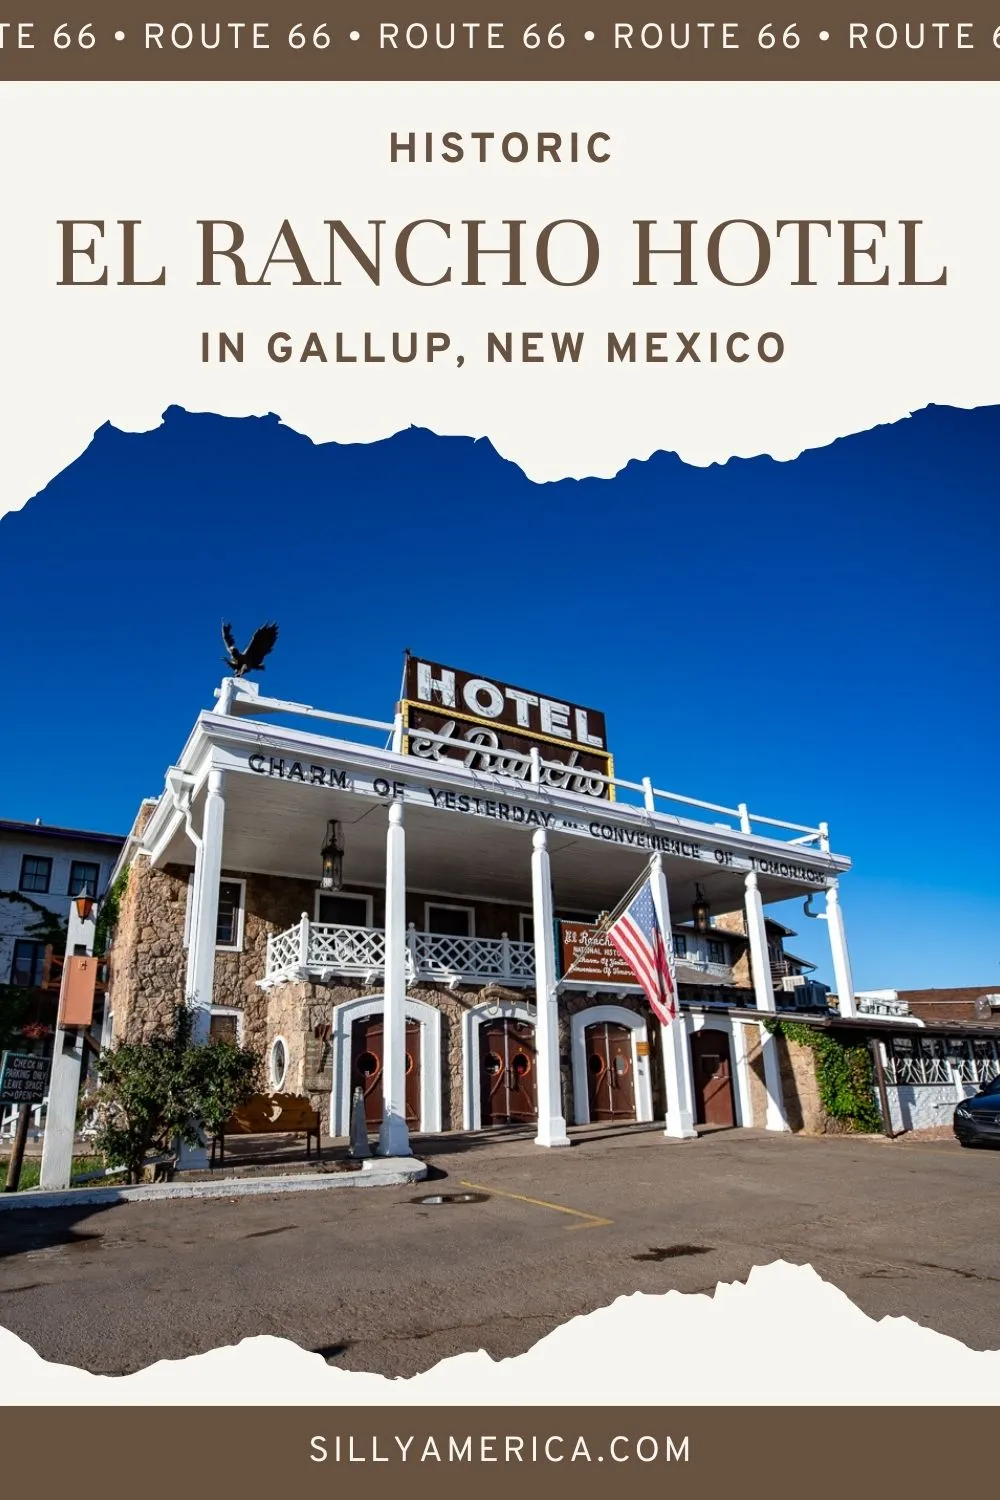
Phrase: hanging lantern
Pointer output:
(700, 911)
(332, 877)
(84, 906)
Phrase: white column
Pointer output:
(841, 958)
(194, 896)
(205, 907)
(64, 1082)
(551, 1124)
(673, 1038)
(760, 968)
(394, 1136)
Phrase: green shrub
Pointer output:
(151, 1094)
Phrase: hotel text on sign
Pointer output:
(492, 727)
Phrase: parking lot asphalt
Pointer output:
(386, 1282)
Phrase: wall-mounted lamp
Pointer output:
(332, 853)
(700, 910)
(84, 906)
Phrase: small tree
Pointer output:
(150, 1094)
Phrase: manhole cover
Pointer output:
(432, 1200)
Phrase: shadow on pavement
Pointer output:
(45, 1228)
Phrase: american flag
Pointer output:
(637, 936)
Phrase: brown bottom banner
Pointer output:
(441, 1452)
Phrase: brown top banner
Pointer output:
(520, 40)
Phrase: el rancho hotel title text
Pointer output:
(667, 256)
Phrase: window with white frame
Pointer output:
(226, 1025)
(229, 924)
(278, 1063)
(527, 927)
(680, 945)
(344, 908)
(716, 951)
(449, 921)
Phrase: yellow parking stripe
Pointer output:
(593, 1221)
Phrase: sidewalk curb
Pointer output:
(389, 1171)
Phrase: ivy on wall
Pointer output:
(845, 1076)
(48, 927)
(107, 916)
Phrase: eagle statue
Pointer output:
(252, 659)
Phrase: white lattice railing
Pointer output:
(354, 950)
(437, 956)
(312, 948)
(283, 950)
(919, 1069)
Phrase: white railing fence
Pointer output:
(9, 1114)
(324, 947)
(979, 1065)
(530, 767)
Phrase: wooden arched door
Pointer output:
(508, 1085)
(367, 1047)
(711, 1072)
(610, 1072)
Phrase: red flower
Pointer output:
(36, 1031)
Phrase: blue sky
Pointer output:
(816, 638)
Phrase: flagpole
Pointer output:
(673, 1038)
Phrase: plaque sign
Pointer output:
(591, 954)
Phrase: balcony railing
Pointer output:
(696, 965)
(871, 1005)
(324, 949)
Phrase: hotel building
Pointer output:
(410, 907)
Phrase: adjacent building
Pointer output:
(42, 868)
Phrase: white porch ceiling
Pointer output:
(278, 827)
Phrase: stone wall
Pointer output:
(148, 960)
(803, 1109)
(149, 957)
(736, 922)
(755, 1065)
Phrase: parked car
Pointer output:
(976, 1122)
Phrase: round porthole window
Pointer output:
(279, 1062)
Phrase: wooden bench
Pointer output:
(270, 1114)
